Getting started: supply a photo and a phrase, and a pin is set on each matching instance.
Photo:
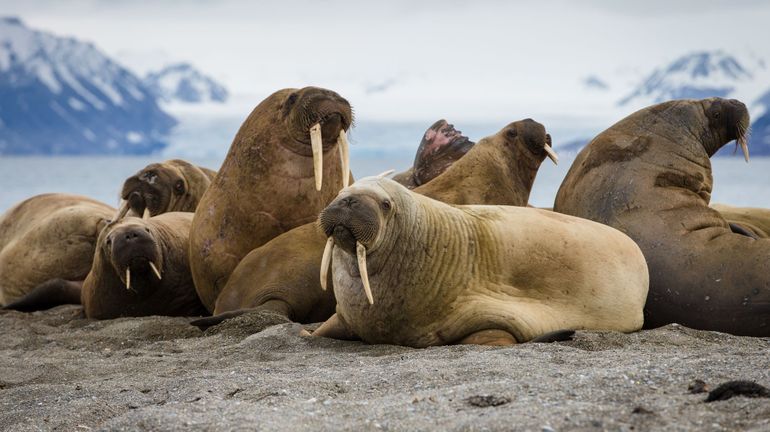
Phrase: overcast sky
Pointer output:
(408, 59)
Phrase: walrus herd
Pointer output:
(447, 252)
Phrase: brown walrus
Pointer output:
(48, 236)
(284, 166)
(441, 146)
(48, 241)
(282, 275)
(649, 175)
(173, 185)
(751, 221)
(410, 270)
(140, 268)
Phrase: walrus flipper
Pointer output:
(555, 336)
(51, 293)
(211, 321)
(742, 230)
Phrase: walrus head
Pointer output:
(317, 119)
(441, 146)
(356, 220)
(132, 249)
(531, 136)
(728, 120)
(174, 185)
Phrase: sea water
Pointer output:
(735, 181)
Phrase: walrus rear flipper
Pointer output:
(206, 322)
(742, 230)
(555, 336)
(48, 294)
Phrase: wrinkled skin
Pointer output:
(45, 237)
(649, 175)
(444, 274)
(283, 275)
(441, 146)
(266, 184)
(173, 185)
(133, 243)
(751, 221)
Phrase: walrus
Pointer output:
(48, 241)
(750, 221)
(441, 146)
(171, 186)
(410, 270)
(649, 175)
(282, 275)
(288, 160)
(140, 268)
(48, 236)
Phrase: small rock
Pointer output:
(698, 386)
(485, 401)
(730, 389)
(641, 410)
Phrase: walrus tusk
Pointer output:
(551, 154)
(155, 270)
(146, 215)
(745, 148)
(344, 149)
(316, 142)
(361, 253)
(128, 278)
(385, 173)
(326, 261)
(122, 211)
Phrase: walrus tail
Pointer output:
(555, 336)
(48, 294)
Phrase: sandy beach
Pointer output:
(59, 371)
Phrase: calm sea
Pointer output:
(735, 182)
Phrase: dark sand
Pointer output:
(61, 372)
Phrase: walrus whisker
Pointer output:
(551, 154)
(326, 261)
(361, 254)
(316, 142)
(344, 150)
(155, 270)
(128, 278)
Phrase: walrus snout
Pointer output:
(351, 220)
(134, 251)
(535, 138)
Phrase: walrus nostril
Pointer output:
(348, 202)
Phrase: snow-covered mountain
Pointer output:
(693, 76)
(62, 96)
(181, 82)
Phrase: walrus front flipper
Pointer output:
(742, 230)
(334, 328)
(48, 294)
(555, 336)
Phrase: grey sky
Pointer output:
(405, 59)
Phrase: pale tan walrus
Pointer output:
(750, 221)
(413, 271)
(282, 275)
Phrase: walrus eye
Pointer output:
(716, 114)
(512, 133)
(179, 187)
(109, 241)
(290, 100)
(386, 205)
